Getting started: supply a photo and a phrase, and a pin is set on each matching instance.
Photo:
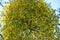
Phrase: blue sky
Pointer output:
(54, 3)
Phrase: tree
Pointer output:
(29, 20)
(57, 33)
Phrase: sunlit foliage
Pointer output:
(29, 20)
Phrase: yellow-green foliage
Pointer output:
(29, 20)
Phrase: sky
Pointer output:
(55, 4)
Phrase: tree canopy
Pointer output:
(29, 20)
